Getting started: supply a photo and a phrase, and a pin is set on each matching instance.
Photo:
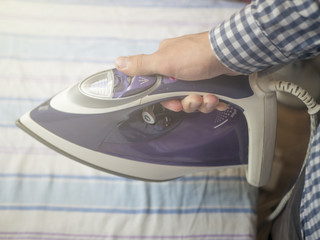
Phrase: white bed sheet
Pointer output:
(45, 46)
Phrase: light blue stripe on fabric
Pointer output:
(134, 195)
(130, 211)
(148, 3)
(12, 125)
(74, 49)
(21, 99)
(116, 178)
(12, 108)
(65, 236)
(57, 236)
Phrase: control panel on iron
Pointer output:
(115, 123)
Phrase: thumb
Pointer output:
(136, 65)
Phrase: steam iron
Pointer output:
(115, 123)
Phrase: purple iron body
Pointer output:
(115, 123)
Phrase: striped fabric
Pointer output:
(46, 46)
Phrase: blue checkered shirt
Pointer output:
(268, 33)
(310, 202)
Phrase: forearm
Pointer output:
(268, 33)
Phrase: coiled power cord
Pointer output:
(313, 109)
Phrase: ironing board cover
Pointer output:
(46, 46)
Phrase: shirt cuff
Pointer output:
(241, 45)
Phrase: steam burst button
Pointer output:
(139, 84)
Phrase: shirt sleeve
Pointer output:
(267, 33)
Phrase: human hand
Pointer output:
(186, 58)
